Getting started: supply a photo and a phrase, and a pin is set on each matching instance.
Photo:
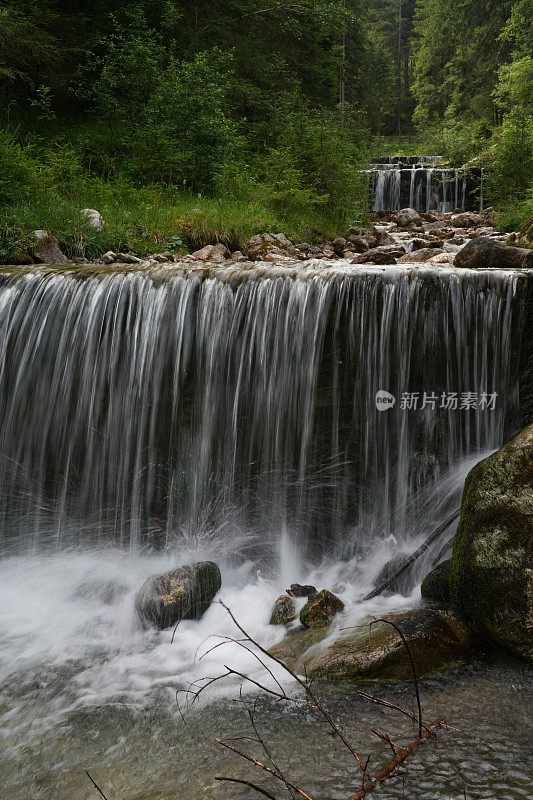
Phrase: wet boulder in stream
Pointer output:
(182, 593)
(484, 253)
(283, 611)
(320, 609)
(491, 570)
(436, 639)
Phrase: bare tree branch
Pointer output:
(395, 762)
(413, 669)
(414, 557)
(260, 765)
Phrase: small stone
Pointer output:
(339, 245)
(419, 256)
(238, 256)
(46, 249)
(358, 244)
(442, 258)
(204, 254)
(109, 258)
(408, 217)
(128, 258)
(182, 593)
(467, 220)
(320, 609)
(261, 244)
(376, 256)
(384, 238)
(283, 611)
(93, 217)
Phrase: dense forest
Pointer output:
(186, 122)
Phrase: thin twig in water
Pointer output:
(260, 765)
(253, 786)
(95, 785)
(413, 668)
(305, 686)
(178, 622)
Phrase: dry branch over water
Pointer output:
(369, 780)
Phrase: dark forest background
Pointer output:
(188, 122)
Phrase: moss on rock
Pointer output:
(491, 571)
(320, 609)
(436, 638)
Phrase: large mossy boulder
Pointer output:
(436, 638)
(491, 571)
(182, 593)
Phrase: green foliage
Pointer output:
(514, 92)
(314, 169)
(19, 172)
(511, 173)
(458, 56)
(459, 141)
(517, 216)
(176, 122)
(185, 134)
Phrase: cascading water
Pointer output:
(151, 418)
(142, 408)
(421, 184)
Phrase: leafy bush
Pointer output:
(185, 134)
(313, 170)
(20, 173)
(511, 154)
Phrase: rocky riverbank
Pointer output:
(392, 238)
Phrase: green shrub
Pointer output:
(20, 173)
(516, 215)
(511, 157)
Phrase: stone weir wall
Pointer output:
(425, 184)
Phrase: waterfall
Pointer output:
(140, 407)
(418, 182)
(387, 188)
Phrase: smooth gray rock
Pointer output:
(182, 593)
(46, 249)
(484, 253)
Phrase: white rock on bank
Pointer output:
(93, 217)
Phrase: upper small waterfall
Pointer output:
(419, 182)
(142, 406)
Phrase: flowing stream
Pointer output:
(148, 418)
